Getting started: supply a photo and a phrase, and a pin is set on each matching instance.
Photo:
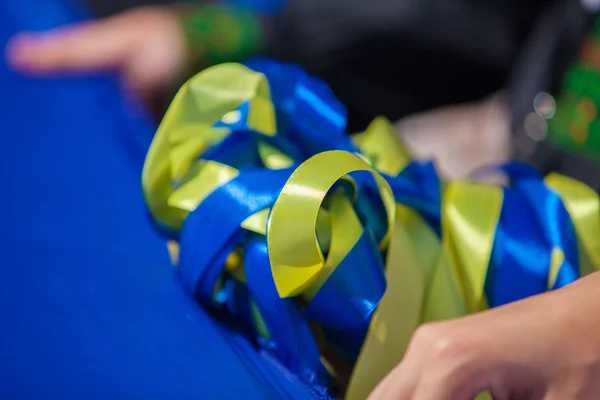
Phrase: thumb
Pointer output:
(84, 47)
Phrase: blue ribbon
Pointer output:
(212, 231)
(532, 223)
(290, 335)
(347, 300)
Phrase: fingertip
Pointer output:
(36, 52)
(13, 48)
(380, 390)
(20, 50)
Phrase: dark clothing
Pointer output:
(398, 57)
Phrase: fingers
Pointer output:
(438, 365)
(402, 381)
(145, 46)
(89, 46)
(448, 382)
(399, 384)
(577, 383)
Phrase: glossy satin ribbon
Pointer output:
(306, 238)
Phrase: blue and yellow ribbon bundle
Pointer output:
(309, 238)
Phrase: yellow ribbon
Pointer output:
(411, 256)
(583, 205)
(296, 258)
(380, 144)
(187, 130)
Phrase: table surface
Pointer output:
(89, 303)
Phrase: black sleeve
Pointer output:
(405, 55)
(319, 31)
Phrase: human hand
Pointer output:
(145, 45)
(545, 347)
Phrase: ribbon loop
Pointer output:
(296, 258)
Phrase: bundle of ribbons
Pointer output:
(309, 239)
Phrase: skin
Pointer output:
(546, 347)
(146, 46)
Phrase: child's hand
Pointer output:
(146, 45)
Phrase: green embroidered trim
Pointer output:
(576, 127)
(217, 34)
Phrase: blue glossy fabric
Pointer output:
(533, 221)
(290, 335)
(419, 186)
(308, 113)
(369, 207)
(350, 296)
(352, 288)
(212, 231)
(89, 304)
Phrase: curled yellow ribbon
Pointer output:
(187, 130)
(294, 252)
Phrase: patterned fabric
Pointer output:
(575, 126)
(220, 33)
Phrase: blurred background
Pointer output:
(105, 8)
(460, 77)
(467, 82)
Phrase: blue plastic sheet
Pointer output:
(90, 306)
